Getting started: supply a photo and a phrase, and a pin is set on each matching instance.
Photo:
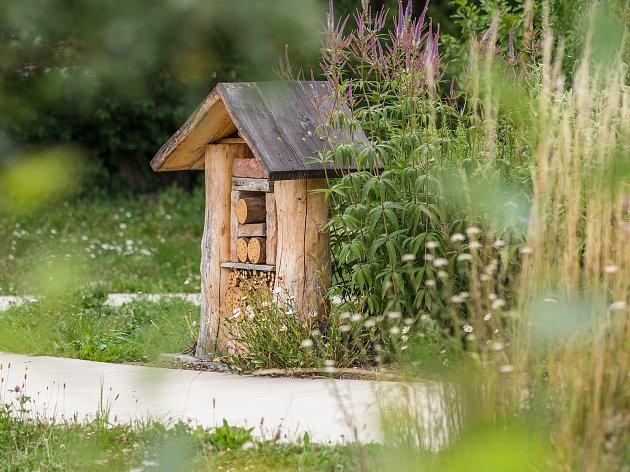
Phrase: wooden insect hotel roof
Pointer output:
(279, 121)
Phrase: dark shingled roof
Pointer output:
(277, 120)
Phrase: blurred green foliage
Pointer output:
(117, 78)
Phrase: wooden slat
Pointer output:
(249, 168)
(257, 125)
(252, 185)
(235, 196)
(185, 149)
(237, 140)
(251, 230)
(246, 266)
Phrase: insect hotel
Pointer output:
(256, 143)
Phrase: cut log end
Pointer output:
(251, 210)
(241, 249)
(256, 250)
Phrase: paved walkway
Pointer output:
(113, 299)
(328, 409)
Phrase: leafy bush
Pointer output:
(430, 174)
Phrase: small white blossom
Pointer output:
(468, 328)
(442, 274)
(395, 330)
(472, 230)
(408, 321)
(611, 269)
(344, 328)
(458, 238)
(369, 323)
(440, 262)
(404, 338)
(498, 303)
(356, 317)
(283, 328)
(428, 257)
(618, 306)
(429, 283)
(457, 299)
(408, 258)
(465, 257)
(506, 369)
(487, 317)
(525, 250)
(306, 343)
(498, 346)
(432, 245)
(474, 245)
(393, 315)
(499, 243)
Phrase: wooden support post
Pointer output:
(215, 245)
(303, 249)
(271, 228)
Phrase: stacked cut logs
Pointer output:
(251, 244)
(241, 281)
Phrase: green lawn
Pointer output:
(151, 446)
(121, 244)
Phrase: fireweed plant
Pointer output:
(425, 234)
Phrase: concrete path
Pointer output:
(67, 388)
(113, 299)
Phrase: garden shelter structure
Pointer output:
(258, 144)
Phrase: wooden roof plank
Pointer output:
(257, 126)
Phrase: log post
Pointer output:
(215, 245)
(303, 250)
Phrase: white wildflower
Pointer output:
(404, 338)
(394, 330)
(277, 291)
(442, 274)
(283, 328)
(428, 257)
(474, 245)
(472, 230)
(236, 312)
(457, 299)
(306, 343)
(424, 317)
(408, 258)
(465, 257)
(356, 317)
(458, 238)
(345, 315)
(499, 243)
(498, 303)
(487, 317)
(122, 226)
(525, 250)
(369, 323)
(618, 306)
(506, 369)
(408, 321)
(405, 329)
(429, 283)
(440, 262)
(393, 315)
(498, 346)
(468, 328)
(344, 328)
(432, 245)
(611, 269)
